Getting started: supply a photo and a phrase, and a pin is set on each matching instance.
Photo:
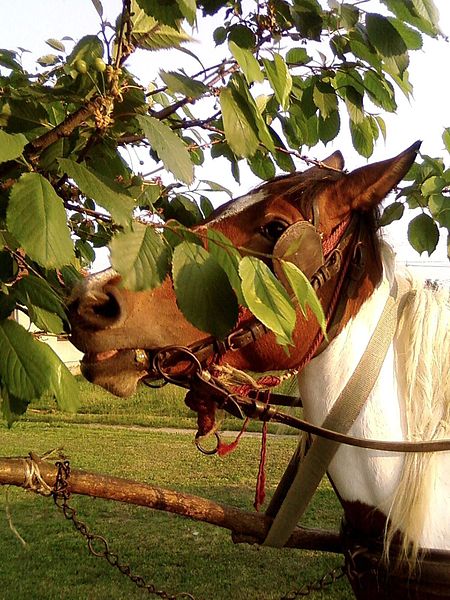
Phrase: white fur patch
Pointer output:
(240, 204)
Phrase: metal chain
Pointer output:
(97, 544)
(318, 585)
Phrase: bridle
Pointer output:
(210, 348)
(184, 366)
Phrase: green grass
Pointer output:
(116, 436)
(148, 407)
(174, 553)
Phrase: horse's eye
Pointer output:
(273, 230)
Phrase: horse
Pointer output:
(394, 503)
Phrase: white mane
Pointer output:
(410, 401)
(422, 360)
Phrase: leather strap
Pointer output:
(302, 477)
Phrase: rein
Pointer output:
(263, 405)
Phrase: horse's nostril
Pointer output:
(109, 309)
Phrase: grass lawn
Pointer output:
(175, 554)
(148, 407)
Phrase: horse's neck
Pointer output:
(323, 379)
(371, 478)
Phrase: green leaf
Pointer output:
(141, 256)
(85, 252)
(383, 35)
(387, 40)
(48, 60)
(423, 234)
(63, 384)
(24, 366)
(206, 206)
(88, 49)
(148, 34)
(411, 37)
(432, 185)
(380, 90)
(242, 36)
(36, 217)
(247, 103)
(213, 186)
(240, 134)
(98, 7)
(26, 116)
(106, 192)
(349, 15)
(35, 291)
(167, 12)
(391, 213)
(439, 206)
(228, 257)
(297, 56)
(262, 166)
(8, 60)
(304, 292)
(362, 49)
(175, 233)
(329, 127)
(248, 63)
(283, 159)
(308, 19)
(362, 137)
(267, 298)
(279, 78)
(220, 35)
(45, 320)
(184, 210)
(181, 84)
(188, 9)
(426, 9)
(169, 147)
(203, 291)
(446, 138)
(406, 11)
(354, 104)
(325, 98)
(11, 145)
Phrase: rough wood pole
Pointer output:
(245, 526)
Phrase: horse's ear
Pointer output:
(334, 161)
(366, 187)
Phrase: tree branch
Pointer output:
(245, 525)
(65, 128)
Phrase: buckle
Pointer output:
(230, 341)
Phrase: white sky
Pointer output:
(28, 24)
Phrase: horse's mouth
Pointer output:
(117, 370)
(94, 357)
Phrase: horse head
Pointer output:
(319, 205)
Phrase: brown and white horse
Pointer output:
(409, 399)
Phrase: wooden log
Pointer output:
(246, 526)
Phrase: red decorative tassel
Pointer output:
(260, 492)
(224, 449)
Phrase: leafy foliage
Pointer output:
(69, 185)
